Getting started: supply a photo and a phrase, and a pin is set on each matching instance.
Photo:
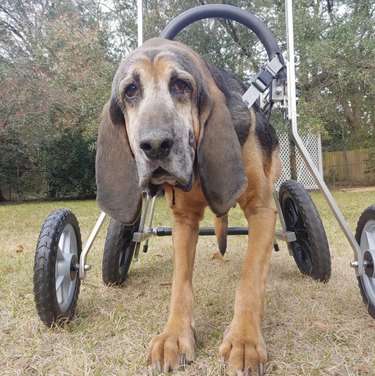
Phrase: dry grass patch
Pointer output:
(310, 328)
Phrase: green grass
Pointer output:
(310, 328)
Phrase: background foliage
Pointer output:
(58, 59)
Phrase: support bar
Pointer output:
(82, 259)
(287, 236)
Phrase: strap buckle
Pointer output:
(262, 81)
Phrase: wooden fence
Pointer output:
(347, 167)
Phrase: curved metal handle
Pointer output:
(228, 12)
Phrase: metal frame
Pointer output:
(276, 94)
(292, 117)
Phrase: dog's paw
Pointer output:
(243, 355)
(171, 350)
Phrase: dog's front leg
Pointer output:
(175, 345)
(243, 347)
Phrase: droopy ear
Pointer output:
(220, 162)
(118, 192)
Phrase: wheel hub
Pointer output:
(368, 264)
(67, 268)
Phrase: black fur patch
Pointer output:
(115, 113)
(265, 132)
(233, 90)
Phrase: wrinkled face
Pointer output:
(158, 95)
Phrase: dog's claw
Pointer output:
(261, 369)
(152, 371)
(158, 366)
(248, 372)
(183, 360)
(166, 368)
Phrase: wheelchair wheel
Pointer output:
(118, 252)
(310, 250)
(56, 279)
(365, 236)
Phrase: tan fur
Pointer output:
(243, 346)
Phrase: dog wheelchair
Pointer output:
(60, 260)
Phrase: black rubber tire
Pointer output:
(45, 294)
(366, 284)
(310, 250)
(118, 252)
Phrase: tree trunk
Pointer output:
(2, 198)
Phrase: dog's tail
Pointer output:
(221, 232)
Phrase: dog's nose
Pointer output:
(157, 144)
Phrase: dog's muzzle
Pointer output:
(157, 145)
(165, 159)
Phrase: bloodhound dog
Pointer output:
(178, 123)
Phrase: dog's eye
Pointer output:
(179, 86)
(131, 91)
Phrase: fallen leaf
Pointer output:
(218, 257)
(362, 369)
(165, 284)
(19, 248)
(7, 270)
(321, 326)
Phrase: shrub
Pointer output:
(69, 165)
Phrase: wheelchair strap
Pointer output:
(262, 81)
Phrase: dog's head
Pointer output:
(166, 120)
